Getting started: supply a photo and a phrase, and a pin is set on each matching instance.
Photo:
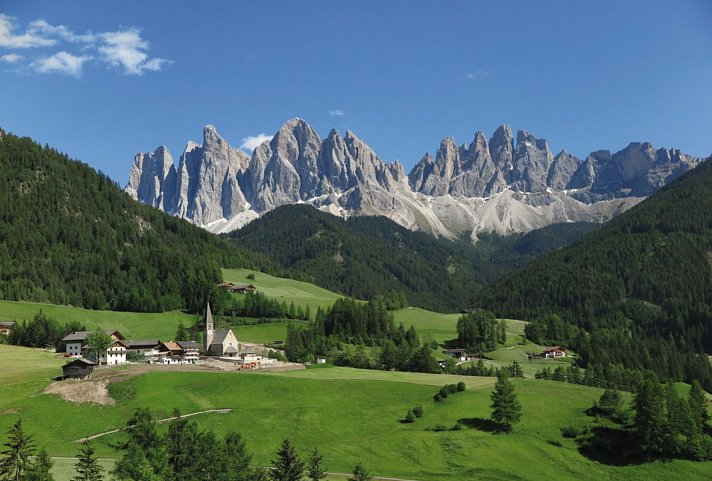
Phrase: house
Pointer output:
(226, 285)
(149, 348)
(78, 369)
(554, 352)
(221, 342)
(170, 352)
(242, 288)
(76, 343)
(116, 354)
(191, 351)
(6, 327)
(459, 354)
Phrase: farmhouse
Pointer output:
(221, 342)
(6, 327)
(78, 369)
(554, 352)
(191, 351)
(116, 354)
(459, 354)
(149, 348)
(238, 288)
(75, 344)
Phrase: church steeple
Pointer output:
(208, 335)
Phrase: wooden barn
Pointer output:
(78, 369)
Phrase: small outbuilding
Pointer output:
(79, 368)
(6, 327)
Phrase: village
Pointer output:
(218, 347)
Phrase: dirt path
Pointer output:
(163, 420)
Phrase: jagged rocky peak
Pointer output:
(148, 176)
(501, 147)
(562, 170)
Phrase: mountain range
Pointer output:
(503, 185)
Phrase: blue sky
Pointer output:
(103, 80)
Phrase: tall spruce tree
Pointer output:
(16, 459)
(698, 405)
(651, 417)
(506, 410)
(316, 470)
(360, 474)
(87, 467)
(286, 466)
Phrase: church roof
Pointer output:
(208, 315)
(220, 335)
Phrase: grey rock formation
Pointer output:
(496, 185)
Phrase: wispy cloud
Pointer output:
(254, 141)
(337, 113)
(61, 62)
(127, 50)
(479, 73)
(11, 58)
(123, 49)
(10, 39)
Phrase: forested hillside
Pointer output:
(69, 235)
(364, 257)
(641, 287)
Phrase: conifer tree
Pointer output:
(316, 470)
(16, 459)
(87, 467)
(506, 410)
(360, 474)
(286, 466)
(698, 404)
(41, 469)
(651, 417)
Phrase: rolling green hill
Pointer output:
(349, 414)
(364, 257)
(641, 286)
(69, 235)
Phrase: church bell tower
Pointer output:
(209, 330)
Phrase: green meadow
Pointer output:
(351, 415)
(133, 325)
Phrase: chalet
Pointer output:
(149, 348)
(116, 354)
(76, 343)
(191, 351)
(221, 342)
(226, 285)
(78, 369)
(6, 327)
(554, 352)
(459, 354)
(170, 352)
(243, 288)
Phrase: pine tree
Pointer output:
(235, 459)
(360, 474)
(316, 470)
(182, 333)
(286, 466)
(651, 417)
(506, 410)
(17, 458)
(698, 404)
(87, 468)
(41, 469)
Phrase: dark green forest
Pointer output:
(638, 291)
(69, 235)
(369, 256)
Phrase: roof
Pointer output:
(172, 346)
(7, 323)
(455, 351)
(220, 335)
(208, 315)
(82, 335)
(144, 343)
(555, 348)
(231, 349)
(188, 344)
(81, 360)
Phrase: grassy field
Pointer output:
(264, 333)
(351, 415)
(133, 325)
(288, 290)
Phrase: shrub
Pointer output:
(571, 432)
(444, 392)
(409, 417)
(461, 386)
(418, 411)
(135, 356)
(452, 388)
(251, 276)
(438, 397)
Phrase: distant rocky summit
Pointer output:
(501, 185)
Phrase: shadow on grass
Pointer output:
(486, 425)
(611, 446)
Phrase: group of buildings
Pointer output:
(220, 343)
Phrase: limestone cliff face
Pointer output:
(487, 185)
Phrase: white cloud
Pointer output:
(28, 39)
(11, 58)
(252, 142)
(479, 73)
(61, 62)
(43, 29)
(127, 50)
(337, 113)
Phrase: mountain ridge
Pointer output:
(503, 185)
